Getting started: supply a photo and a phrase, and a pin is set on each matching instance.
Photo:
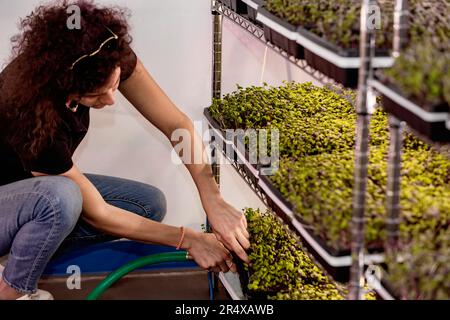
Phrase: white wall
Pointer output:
(173, 39)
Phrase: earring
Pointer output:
(72, 106)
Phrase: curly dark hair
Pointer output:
(43, 53)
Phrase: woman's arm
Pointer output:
(229, 225)
(204, 248)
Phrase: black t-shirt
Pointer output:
(55, 158)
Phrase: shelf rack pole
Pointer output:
(216, 94)
(216, 77)
(395, 136)
(367, 51)
(401, 26)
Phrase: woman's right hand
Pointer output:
(208, 252)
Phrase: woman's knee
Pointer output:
(158, 203)
(63, 196)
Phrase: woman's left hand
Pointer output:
(230, 227)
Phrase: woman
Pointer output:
(46, 203)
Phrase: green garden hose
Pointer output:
(133, 265)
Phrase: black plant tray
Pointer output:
(335, 62)
(427, 119)
(236, 5)
(244, 277)
(335, 262)
(252, 10)
(232, 152)
(346, 77)
(271, 22)
(282, 207)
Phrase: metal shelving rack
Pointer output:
(218, 10)
(367, 85)
(365, 92)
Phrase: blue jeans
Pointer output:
(39, 218)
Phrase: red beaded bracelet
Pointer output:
(181, 238)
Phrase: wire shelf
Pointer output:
(258, 33)
(250, 180)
